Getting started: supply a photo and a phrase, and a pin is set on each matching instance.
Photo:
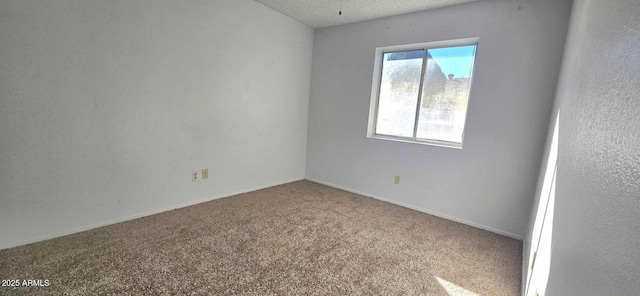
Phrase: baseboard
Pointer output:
(419, 209)
(140, 215)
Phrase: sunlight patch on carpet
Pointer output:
(453, 289)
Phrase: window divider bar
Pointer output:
(420, 87)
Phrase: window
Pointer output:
(420, 92)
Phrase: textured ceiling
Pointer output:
(324, 13)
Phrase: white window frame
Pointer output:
(375, 90)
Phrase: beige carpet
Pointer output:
(300, 238)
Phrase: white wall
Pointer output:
(491, 182)
(107, 106)
(595, 245)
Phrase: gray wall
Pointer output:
(491, 182)
(107, 106)
(595, 246)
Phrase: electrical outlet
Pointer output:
(195, 176)
(205, 174)
(396, 180)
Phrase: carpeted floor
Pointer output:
(300, 238)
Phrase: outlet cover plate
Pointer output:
(195, 176)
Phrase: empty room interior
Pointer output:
(338, 147)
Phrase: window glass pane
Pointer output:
(446, 93)
(399, 87)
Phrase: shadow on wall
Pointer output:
(540, 253)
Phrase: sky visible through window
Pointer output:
(455, 60)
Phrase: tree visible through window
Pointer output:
(422, 94)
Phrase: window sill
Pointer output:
(421, 142)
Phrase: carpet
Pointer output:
(300, 238)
